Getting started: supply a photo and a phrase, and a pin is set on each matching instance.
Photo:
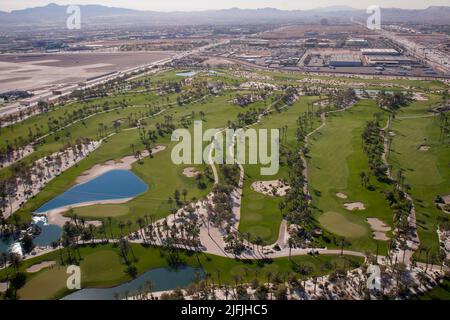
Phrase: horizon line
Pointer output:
(225, 8)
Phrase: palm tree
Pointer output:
(110, 227)
(149, 286)
(121, 226)
(184, 192)
(140, 223)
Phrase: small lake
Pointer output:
(49, 234)
(187, 74)
(162, 279)
(112, 185)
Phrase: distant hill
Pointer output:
(334, 8)
(55, 15)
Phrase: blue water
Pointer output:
(187, 74)
(112, 185)
(49, 234)
(161, 279)
(5, 242)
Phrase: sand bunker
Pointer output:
(341, 195)
(56, 216)
(424, 148)
(124, 164)
(3, 286)
(38, 267)
(445, 207)
(275, 188)
(379, 229)
(419, 97)
(191, 172)
(354, 206)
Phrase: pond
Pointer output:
(49, 234)
(112, 185)
(162, 279)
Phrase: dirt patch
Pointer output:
(379, 229)
(43, 265)
(392, 133)
(275, 188)
(354, 206)
(341, 195)
(424, 148)
(191, 172)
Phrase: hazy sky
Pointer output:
(186, 5)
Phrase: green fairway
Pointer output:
(342, 225)
(426, 172)
(101, 211)
(48, 284)
(336, 160)
(260, 216)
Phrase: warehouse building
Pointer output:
(357, 42)
(380, 52)
(345, 60)
(386, 60)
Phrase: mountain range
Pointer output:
(55, 15)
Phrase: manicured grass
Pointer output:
(47, 284)
(426, 172)
(336, 160)
(101, 267)
(101, 211)
(342, 225)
